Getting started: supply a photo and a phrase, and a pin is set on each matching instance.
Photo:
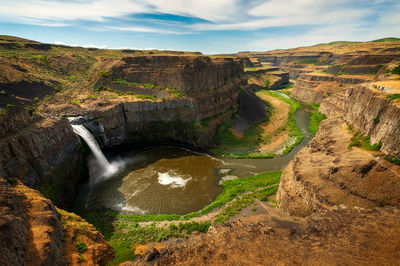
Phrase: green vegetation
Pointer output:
(294, 131)
(10, 105)
(81, 246)
(146, 97)
(3, 92)
(123, 231)
(395, 96)
(42, 58)
(394, 160)
(377, 120)
(232, 146)
(315, 119)
(288, 86)
(11, 180)
(359, 140)
(103, 74)
(396, 70)
(389, 39)
(72, 77)
(311, 61)
(2, 111)
(76, 102)
(267, 83)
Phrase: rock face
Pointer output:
(316, 87)
(187, 73)
(212, 88)
(41, 153)
(32, 234)
(325, 173)
(328, 238)
(370, 112)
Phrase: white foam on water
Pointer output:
(122, 207)
(172, 179)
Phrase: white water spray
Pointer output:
(107, 168)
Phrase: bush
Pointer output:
(396, 70)
(103, 74)
(267, 83)
(3, 92)
(146, 97)
(81, 246)
(377, 120)
(394, 160)
(11, 180)
(395, 96)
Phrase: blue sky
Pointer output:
(209, 26)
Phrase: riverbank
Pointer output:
(267, 139)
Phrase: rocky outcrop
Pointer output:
(31, 232)
(315, 87)
(43, 154)
(370, 112)
(326, 173)
(188, 73)
(212, 91)
(328, 238)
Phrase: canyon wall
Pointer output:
(34, 232)
(42, 153)
(370, 112)
(188, 73)
(325, 173)
(313, 88)
(211, 85)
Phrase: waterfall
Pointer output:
(107, 168)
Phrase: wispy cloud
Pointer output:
(259, 23)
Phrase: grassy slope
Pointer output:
(245, 147)
(315, 119)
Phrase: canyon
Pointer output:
(338, 198)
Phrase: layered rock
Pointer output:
(31, 232)
(370, 112)
(187, 73)
(43, 154)
(212, 91)
(315, 87)
(326, 173)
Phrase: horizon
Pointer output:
(210, 27)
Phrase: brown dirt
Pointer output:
(327, 173)
(277, 120)
(328, 238)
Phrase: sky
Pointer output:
(208, 26)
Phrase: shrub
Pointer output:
(72, 77)
(396, 70)
(394, 160)
(377, 120)
(146, 97)
(103, 74)
(11, 180)
(395, 96)
(3, 92)
(267, 83)
(81, 246)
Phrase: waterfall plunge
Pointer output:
(107, 168)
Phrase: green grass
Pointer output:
(75, 102)
(231, 146)
(81, 246)
(389, 39)
(315, 119)
(294, 131)
(359, 140)
(395, 96)
(3, 92)
(11, 180)
(122, 231)
(396, 70)
(394, 160)
(103, 74)
(146, 97)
